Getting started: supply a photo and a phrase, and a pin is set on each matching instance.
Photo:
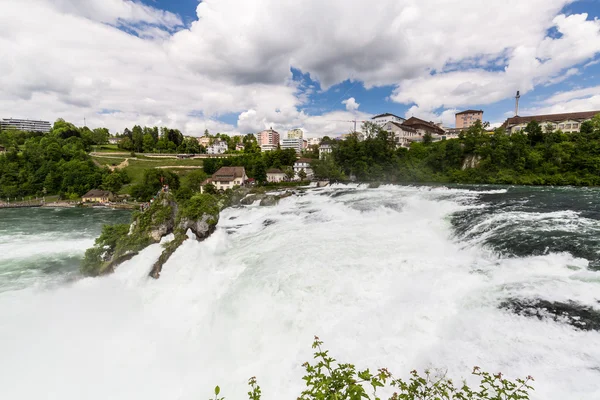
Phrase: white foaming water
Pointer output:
(374, 273)
(19, 247)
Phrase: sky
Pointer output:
(240, 66)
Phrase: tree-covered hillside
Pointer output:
(537, 156)
(37, 164)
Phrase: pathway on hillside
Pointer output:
(179, 166)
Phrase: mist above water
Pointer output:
(401, 277)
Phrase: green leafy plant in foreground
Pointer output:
(327, 379)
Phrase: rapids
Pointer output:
(399, 277)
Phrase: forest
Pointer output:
(37, 164)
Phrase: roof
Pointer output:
(414, 121)
(386, 114)
(97, 193)
(404, 127)
(469, 112)
(268, 130)
(551, 117)
(304, 160)
(229, 173)
(275, 171)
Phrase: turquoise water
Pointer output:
(40, 246)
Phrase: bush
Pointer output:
(199, 205)
(327, 379)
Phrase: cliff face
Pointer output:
(118, 244)
(471, 161)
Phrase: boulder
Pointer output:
(251, 198)
(269, 200)
(202, 228)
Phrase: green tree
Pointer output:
(64, 129)
(534, 132)
(194, 179)
(137, 138)
(302, 174)
(126, 144)
(148, 143)
(100, 136)
(114, 181)
(427, 139)
(153, 181)
(289, 173)
(260, 172)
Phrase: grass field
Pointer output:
(106, 148)
(136, 167)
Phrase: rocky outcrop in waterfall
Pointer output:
(198, 215)
(165, 216)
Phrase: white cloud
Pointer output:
(117, 11)
(236, 58)
(351, 104)
(563, 97)
(528, 65)
(587, 99)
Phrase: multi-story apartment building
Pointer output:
(268, 139)
(25, 125)
(467, 118)
(295, 144)
(567, 122)
(295, 134)
(383, 119)
(218, 147)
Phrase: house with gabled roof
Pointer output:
(275, 175)
(98, 196)
(227, 177)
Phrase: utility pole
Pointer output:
(517, 97)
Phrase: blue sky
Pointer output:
(376, 100)
(238, 66)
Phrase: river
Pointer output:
(402, 277)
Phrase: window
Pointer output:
(561, 126)
(517, 128)
(567, 126)
(575, 126)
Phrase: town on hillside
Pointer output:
(129, 154)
